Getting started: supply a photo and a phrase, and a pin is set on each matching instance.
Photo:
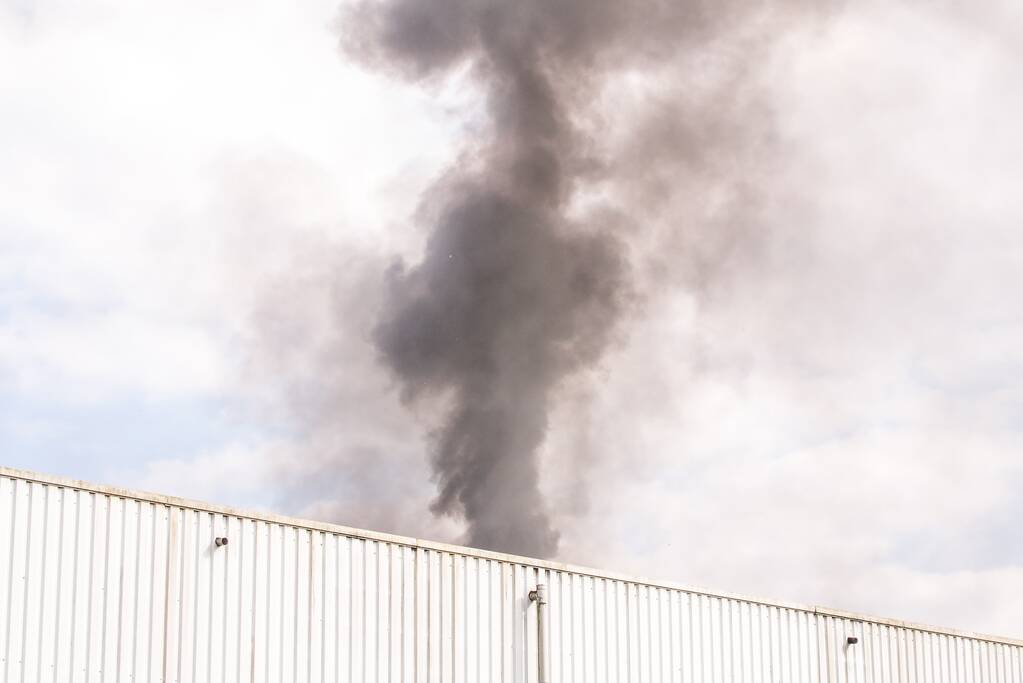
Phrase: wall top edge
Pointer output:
(426, 544)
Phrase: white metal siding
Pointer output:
(96, 586)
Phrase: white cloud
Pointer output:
(131, 235)
(84, 358)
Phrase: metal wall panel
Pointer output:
(104, 585)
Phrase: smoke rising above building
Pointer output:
(517, 289)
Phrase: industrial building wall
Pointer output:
(105, 585)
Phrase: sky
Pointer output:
(199, 203)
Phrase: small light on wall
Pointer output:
(220, 540)
(851, 640)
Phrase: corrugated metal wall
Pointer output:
(96, 586)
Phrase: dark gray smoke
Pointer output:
(513, 295)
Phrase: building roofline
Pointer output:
(409, 541)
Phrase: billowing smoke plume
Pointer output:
(517, 289)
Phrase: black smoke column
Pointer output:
(510, 296)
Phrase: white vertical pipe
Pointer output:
(539, 596)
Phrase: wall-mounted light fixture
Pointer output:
(219, 541)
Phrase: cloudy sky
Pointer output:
(199, 202)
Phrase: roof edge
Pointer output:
(67, 482)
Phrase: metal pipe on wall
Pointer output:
(539, 596)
